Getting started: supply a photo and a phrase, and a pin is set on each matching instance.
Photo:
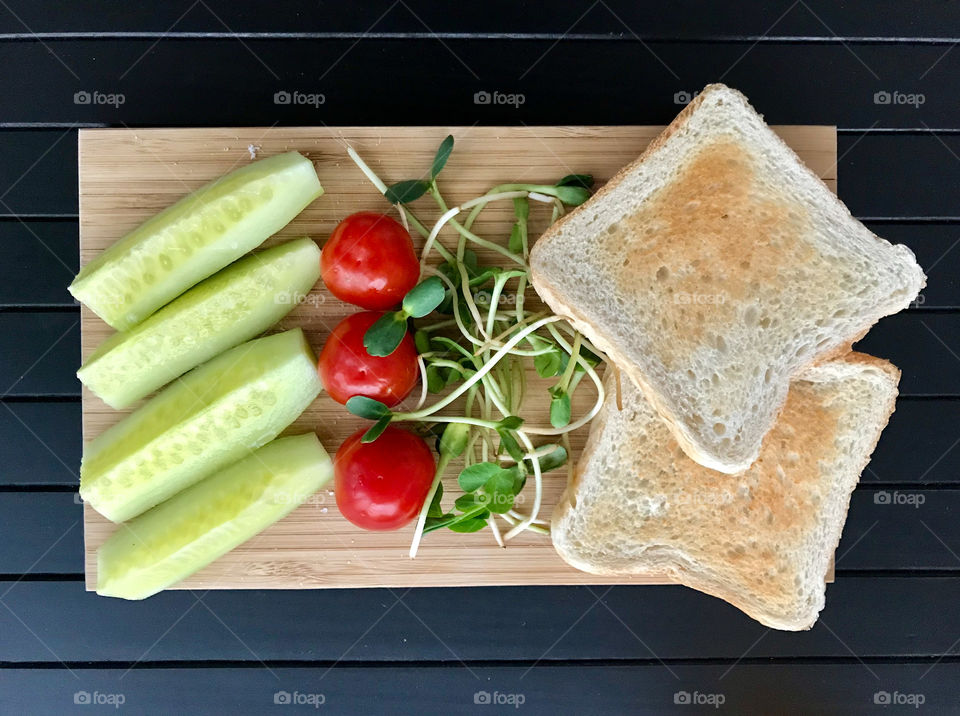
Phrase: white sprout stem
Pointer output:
(583, 339)
(425, 507)
(537, 495)
(467, 234)
(423, 381)
(512, 517)
(477, 205)
(543, 198)
(378, 183)
(479, 422)
(483, 200)
(517, 515)
(435, 231)
(593, 411)
(534, 455)
(498, 286)
(476, 377)
(496, 530)
(495, 342)
(456, 307)
(468, 294)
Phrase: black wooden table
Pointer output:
(886, 73)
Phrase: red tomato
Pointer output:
(382, 485)
(346, 369)
(369, 261)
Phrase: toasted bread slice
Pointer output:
(714, 269)
(761, 540)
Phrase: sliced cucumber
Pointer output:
(209, 418)
(194, 238)
(204, 522)
(230, 307)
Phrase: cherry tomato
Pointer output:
(369, 261)
(346, 369)
(382, 485)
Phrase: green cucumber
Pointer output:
(204, 522)
(230, 307)
(211, 417)
(194, 238)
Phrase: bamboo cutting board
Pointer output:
(128, 175)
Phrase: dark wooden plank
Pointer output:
(882, 175)
(39, 353)
(925, 347)
(902, 528)
(41, 532)
(559, 81)
(872, 616)
(40, 443)
(781, 688)
(918, 445)
(617, 18)
(38, 174)
(38, 259)
(936, 247)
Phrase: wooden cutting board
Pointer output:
(128, 175)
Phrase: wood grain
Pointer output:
(128, 175)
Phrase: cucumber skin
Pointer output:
(170, 542)
(103, 284)
(194, 427)
(204, 321)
